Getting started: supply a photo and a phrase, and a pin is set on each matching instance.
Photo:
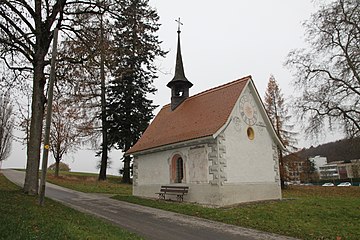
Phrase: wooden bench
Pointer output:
(179, 191)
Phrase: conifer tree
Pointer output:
(135, 47)
(278, 114)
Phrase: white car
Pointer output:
(328, 184)
(344, 184)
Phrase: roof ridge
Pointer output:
(221, 86)
(215, 88)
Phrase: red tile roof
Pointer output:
(198, 116)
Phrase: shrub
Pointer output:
(62, 167)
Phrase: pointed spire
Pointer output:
(179, 67)
(179, 84)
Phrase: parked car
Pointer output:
(328, 184)
(344, 184)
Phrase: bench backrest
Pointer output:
(174, 189)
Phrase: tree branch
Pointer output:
(21, 15)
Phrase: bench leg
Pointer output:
(180, 198)
(161, 196)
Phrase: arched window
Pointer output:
(177, 169)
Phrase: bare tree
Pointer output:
(277, 110)
(26, 31)
(92, 60)
(69, 127)
(6, 127)
(25, 37)
(21, 111)
(355, 168)
(327, 74)
(278, 113)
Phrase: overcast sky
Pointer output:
(221, 41)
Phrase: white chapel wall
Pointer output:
(154, 168)
(198, 165)
(249, 161)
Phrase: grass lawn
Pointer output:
(22, 218)
(87, 182)
(312, 213)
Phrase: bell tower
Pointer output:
(179, 85)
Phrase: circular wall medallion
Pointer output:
(248, 110)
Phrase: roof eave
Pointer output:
(186, 143)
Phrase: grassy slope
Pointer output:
(88, 183)
(313, 212)
(22, 218)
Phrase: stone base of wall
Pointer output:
(240, 193)
(215, 195)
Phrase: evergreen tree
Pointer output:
(309, 173)
(135, 47)
(278, 114)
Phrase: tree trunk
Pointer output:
(104, 158)
(282, 170)
(57, 163)
(37, 112)
(104, 150)
(126, 173)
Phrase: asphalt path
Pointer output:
(148, 222)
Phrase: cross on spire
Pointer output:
(179, 24)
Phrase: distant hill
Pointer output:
(341, 150)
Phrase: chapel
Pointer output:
(220, 143)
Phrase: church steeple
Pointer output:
(179, 84)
